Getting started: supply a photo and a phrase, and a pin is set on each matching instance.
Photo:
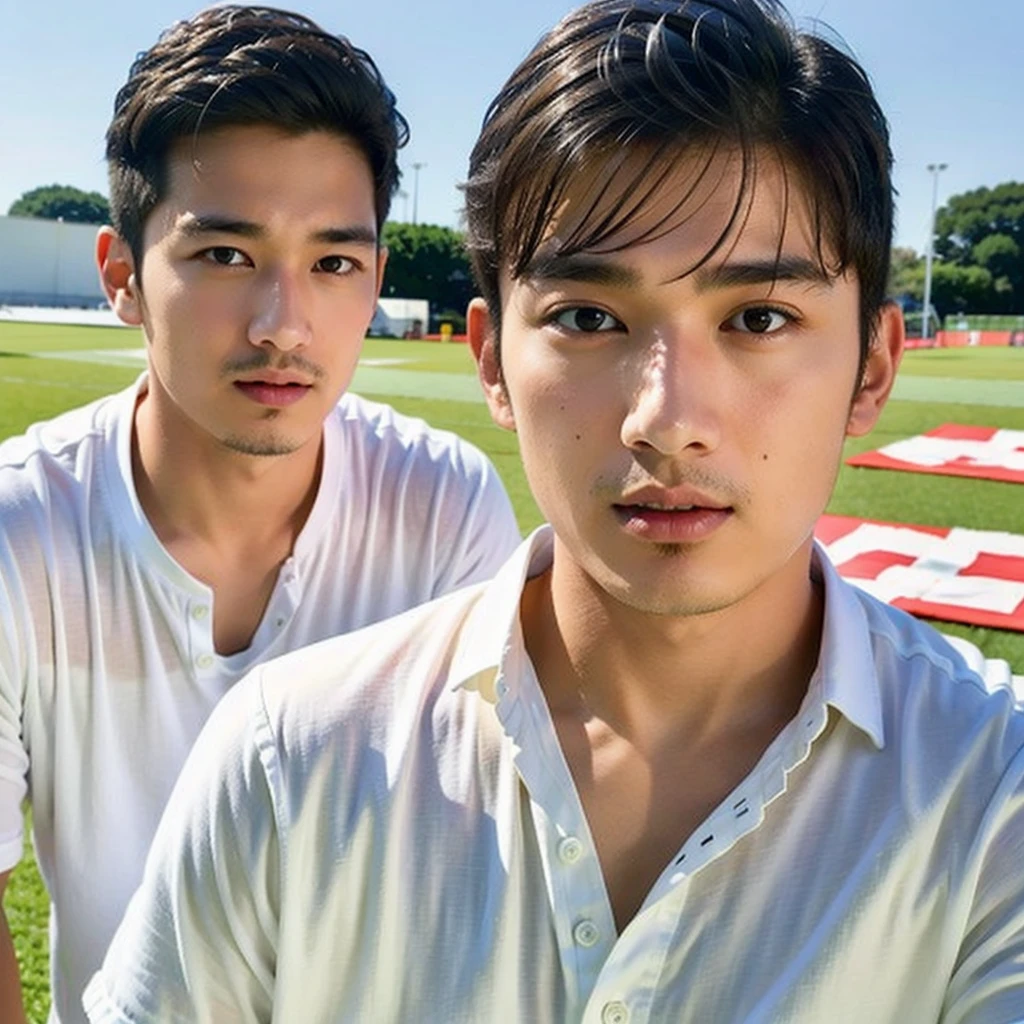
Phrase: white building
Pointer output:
(48, 263)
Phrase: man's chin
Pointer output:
(265, 447)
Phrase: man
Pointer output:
(667, 766)
(156, 545)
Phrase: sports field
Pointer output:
(46, 369)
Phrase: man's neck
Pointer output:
(661, 717)
(652, 676)
(194, 489)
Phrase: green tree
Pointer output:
(957, 289)
(62, 202)
(984, 230)
(906, 274)
(426, 261)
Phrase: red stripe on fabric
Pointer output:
(970, 616)
(999, 567)
(868, 565)
(830, 528)
(875, 460)
(962, 432)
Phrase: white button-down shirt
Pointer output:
(383, 828)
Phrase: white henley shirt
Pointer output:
(107, 663)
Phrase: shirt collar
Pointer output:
(846, 664)
(492, 630)
(845, 677)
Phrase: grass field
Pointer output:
(46, 369)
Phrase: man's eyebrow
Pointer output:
(193, 226)
(751, 272)
(355, 235)
(580, 268)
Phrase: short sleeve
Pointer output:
(198, 941)
(484, 530)
(987, 984)
(994, 671)
(13, 757)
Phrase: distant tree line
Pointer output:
(979, 254)
(62, 202)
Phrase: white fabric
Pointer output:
(382, 828)
(1003, 450)
(933, 576)
(107, 664)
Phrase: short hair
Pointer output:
(665, 76)
(234, 66)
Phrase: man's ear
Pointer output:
(879, 371)
(483, 341)
(116, 265)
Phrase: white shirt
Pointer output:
(107, 664)
(382, 829)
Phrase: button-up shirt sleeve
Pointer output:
(198, 942)
(987, 985)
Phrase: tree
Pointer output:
(906, 274)
(62, 202)
(984, 230)
(426, 261)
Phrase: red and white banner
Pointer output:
(973, 576)
(954, 450)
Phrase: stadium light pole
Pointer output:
(935, 170)
(416, 168)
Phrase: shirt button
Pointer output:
(586, 935)
(200, 611)
(204, 661)
(614, 1013)
(570, 849)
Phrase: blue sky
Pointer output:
(949, 74)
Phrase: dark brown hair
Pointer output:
(233, 66)
(616, 77)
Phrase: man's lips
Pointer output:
(275, 388)
(677, 515)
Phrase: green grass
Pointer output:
(965, 363)
(37, 382)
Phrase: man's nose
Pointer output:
(676, 402)
(281, 316)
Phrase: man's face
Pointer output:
(259, 277)
(682, 431)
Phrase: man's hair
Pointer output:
(672, 77)
(234, 66)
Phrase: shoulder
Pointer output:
(933, 697)
(48, 473)
(60, 445)
(357, 687)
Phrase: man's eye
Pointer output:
(759, 320)
(587, 320)
(225, 256)
(335, 265)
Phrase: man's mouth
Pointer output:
(678, 516)
(276, 393)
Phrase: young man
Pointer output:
(157, 544)
(667, 766)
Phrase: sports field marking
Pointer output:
(1008, 393)
(137, 356)
(384, 376)
(449, 387)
